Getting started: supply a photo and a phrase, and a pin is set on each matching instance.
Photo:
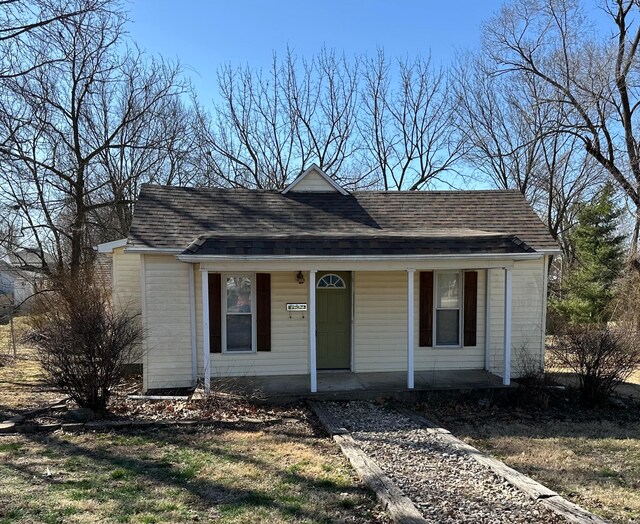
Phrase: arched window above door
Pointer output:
(331, 281)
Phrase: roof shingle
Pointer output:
(249, 222)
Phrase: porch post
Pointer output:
(410, 326)
(192, 316)
(487, 323)
(506, 380)
(312, 331)
(205, 331)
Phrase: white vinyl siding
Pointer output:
(381, 328)
(168, 323)
(527, 321)
(126, 280)
(125, 276)
(379, 323)
(313, 181)
(379, 317)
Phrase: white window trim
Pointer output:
(460, 274)
(223, 299)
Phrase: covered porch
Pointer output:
(351, 386)
(417, 373)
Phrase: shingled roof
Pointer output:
(260, 222)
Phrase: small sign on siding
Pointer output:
(296, 307)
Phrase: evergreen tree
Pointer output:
(598, 255)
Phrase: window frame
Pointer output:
(460, 309)
(344, 284)
(224, 313)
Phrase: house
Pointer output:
(19, 277)
(236, 283)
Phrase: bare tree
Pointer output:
(272, 125)
(324, 103)
(22, 30)
(161, 148)
(406, 125)
(83, 344)
(514, 138)
(594, 80)
(60, 124)
(252, 135)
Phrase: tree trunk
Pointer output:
(633, 251)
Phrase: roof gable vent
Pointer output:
(312, 180)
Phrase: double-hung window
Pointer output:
(448, 308)
(239, 312)
(239, 301)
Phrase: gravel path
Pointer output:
(445, 484)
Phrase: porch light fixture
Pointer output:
(300, 277)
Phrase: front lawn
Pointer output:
(277, 473)
(253, 464)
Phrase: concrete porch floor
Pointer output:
(348, 385)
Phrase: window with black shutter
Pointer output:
(448, 310)
(240, 312)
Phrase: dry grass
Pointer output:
(274, 475)
(22, 384)
(594, 463)
(271, 472)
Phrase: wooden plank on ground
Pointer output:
(7, 427)
(330, 423)
(571, 511)
(397, 504)
(533, 489)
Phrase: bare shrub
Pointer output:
(601, 356)
(534, 382)
(82, 343)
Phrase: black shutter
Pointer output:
(215, 313)
(470, 307)
(263, 311)
(426, 309)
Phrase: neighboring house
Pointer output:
(16, 285)
(20, 275)
(234, 282)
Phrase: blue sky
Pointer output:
(206, 34)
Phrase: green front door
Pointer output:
(333, 320)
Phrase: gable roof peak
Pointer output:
(314, 179)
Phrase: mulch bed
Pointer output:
(453, 408)
(124, 412)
